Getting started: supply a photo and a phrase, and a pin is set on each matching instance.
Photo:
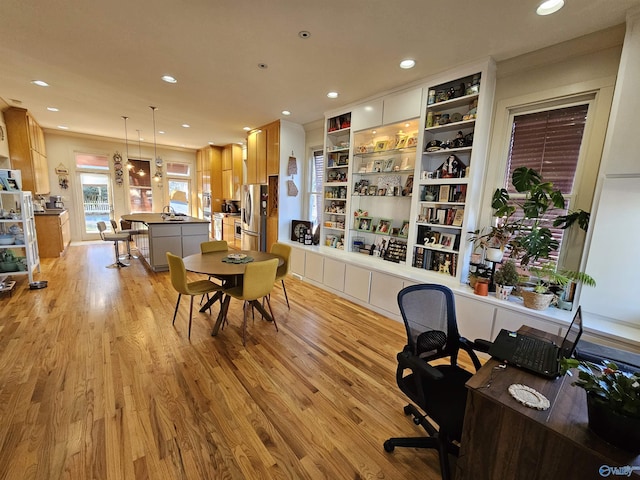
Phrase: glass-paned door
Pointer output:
(179, 196)
(96, 202)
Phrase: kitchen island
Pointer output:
(156, 234)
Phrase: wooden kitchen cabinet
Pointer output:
(231, 171)
(54, 233)
(27, 149)
(273, 148)
(263, 153)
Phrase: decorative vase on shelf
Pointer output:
(619, 430)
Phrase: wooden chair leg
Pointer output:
(176, 310)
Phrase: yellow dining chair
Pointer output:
(257, 283)
(284, 252)
(183, 287)
(214, 246)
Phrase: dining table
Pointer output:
(227, 266)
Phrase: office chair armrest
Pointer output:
(470, 347)
(482, 345)
(418, 366)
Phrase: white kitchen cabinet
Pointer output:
(367, 115)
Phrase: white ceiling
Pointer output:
(104, 59)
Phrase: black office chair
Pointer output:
(439, 390)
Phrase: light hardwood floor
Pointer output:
(95, 382)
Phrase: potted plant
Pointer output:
(506, 278)
(613, 401)
(526, 220)
(8, 261)
(549, 281)
(494, 241)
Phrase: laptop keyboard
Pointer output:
(534, 354)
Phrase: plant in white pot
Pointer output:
(505, 279)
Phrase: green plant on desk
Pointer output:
(618, 390)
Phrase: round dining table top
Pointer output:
(211, 263)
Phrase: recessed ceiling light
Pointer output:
(63, 127)
(186, 125)
(286, 112)
(40, 83)
(169, 79)
(246, 129)
(549, 6)
(408, 63)
(263, 66)
(211, 143)
(304, 34)
(53, 109)
(332, 94)
(161, 132)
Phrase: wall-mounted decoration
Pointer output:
(292, 190)
(63, 176)
(292, 166)
(117, 166)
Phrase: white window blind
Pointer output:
(315, 200)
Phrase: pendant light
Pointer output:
(141, 171)
(158, 161)
(126, 142)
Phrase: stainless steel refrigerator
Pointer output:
(254, 217)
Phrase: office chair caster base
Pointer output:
(388, 446)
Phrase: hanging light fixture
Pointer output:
(158, 161)
(126, 142)
(141, 171)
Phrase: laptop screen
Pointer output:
(573, 335)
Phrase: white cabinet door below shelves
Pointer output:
(357, 282)
(333, 276)
(384, 292)
(297, 261)
(475, 318)
(313, 266)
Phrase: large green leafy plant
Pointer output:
(527, 218)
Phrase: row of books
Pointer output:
(441, 216)
(441, 262)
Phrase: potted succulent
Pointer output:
(613, 401)
(505, 279)
(8, 261)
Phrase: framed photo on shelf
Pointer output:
(343, 159)
(381, 146)
(448, 240)
(444, 193)
(388, 165)
(364, 224)
(372, 190)
(412, 140)
(404, 230)
(401, 141)
(378, 165)
(384, 226)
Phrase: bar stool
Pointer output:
(116, 238)
(129, 231)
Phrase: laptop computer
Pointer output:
(535, 354)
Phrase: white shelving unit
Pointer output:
(20, 257)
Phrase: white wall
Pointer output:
(61, 150)
(292, 142)
(613, 257)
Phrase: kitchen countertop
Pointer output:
(51, 211)
(157, 218)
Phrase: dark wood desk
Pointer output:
(230, 274)
(503, 439)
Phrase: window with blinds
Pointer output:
(315, 189)
(549, 142)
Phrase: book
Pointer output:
(458, 217)
(443, 194)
